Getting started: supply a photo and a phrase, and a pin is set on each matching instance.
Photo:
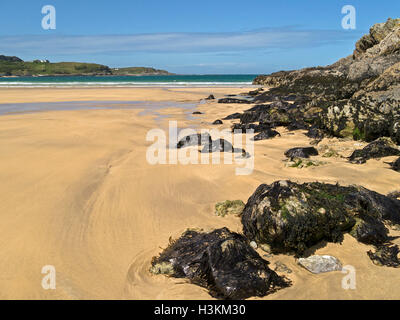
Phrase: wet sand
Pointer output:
(78, 193)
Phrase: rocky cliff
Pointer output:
(358, 96)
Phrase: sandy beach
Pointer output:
(78, 193)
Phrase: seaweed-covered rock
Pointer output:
(320, 264)
(301, 152)
(386, 255)
(381, 147)
(234, 207)
(221, 261)
(210, 97)
(234, 100)
(396, 165)
(217, 122)
(194, 140)
(266, 134)
(292, 217)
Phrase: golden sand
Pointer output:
(77, 193)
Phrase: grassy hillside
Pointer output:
(13, 66)
(137, 71)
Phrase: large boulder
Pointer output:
(291, 217)
(221, 261)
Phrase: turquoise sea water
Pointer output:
(238, 80)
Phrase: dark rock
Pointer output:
(315, 133)
(382, 147)
(197, 112)
(233, 116)
(301, 152)
(291, 217)
(210, 97)
(194, 140)
(217, 122)
(266, 134)
(222, 262)
(385, 255)
(234, 100)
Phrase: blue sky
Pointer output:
(219, 36)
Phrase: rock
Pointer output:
(221, 145)
(266, 134)
(301, 152)
(381, 147)
(210, 97)
(197, 112)
(234, 100)
(253, 244)
(194, 140)
(281, 267)
(394, 194)
(217, 122)
(241, 128)
(233, 116)
(319, 264)
(300, 163)
(386, 255)
(222, 262)
(234, 207)
(396, 165)
(357, 97)
(288, 216)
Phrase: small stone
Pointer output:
(322, 211)
(319, 264)
(253, 244)
(217, 122)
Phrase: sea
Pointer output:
(173, 81)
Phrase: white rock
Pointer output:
(253, 244)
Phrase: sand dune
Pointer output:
(77, 193)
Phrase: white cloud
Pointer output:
(171, 42)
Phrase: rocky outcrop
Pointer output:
(396, 165)
(221, 261)
(356, 97)
(381, 147)
(291, 217)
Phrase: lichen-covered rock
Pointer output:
(228, 207)
(382, 147)
(386, 255)
(357, 97)
(291, 217)
(301, 152)
(221, 261)
(320, 264)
